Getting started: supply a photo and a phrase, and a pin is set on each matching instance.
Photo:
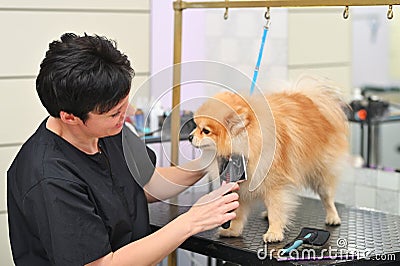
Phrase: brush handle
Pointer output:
(295, 245)
(227, 224)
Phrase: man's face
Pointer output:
(109, 123)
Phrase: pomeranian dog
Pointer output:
(292, 139)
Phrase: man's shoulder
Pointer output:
(31, 162)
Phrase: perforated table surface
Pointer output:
(365, 237)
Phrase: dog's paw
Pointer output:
(272, 236)
(229, 232)
(333, 220)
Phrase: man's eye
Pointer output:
(206, 131)
(116, 114)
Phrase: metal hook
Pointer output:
(390, 12)
(226, 10)
(267, 14)
(346, 12)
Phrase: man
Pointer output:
(71, 197)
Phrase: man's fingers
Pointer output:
(218, 193)
(226, 188)
(231, 206)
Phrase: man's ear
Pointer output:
(237, 120)
(70, 118)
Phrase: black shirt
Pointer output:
(66, 207)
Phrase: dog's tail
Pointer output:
(327, 96)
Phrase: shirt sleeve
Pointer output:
(64, 218)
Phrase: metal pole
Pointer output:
(176, 90)
(283, 3)
(175, 114)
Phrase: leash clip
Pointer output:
(267, 16)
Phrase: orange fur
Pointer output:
(291, 139)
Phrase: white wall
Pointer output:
(376, 43)
(319, 42)
(27, 28)
(237, 40)
(313, 40)
(367, 188)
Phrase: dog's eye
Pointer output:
(205, 131)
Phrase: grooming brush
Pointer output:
(311, 236)
(232, 169)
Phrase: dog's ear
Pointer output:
(237, 120)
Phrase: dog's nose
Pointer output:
(190, 138)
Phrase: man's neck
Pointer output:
(74, 135)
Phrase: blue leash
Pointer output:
(255, 75)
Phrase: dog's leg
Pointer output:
(237, 224)
(323, 182)
(326, 194)
(280, 205)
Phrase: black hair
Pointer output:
(82, 74)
